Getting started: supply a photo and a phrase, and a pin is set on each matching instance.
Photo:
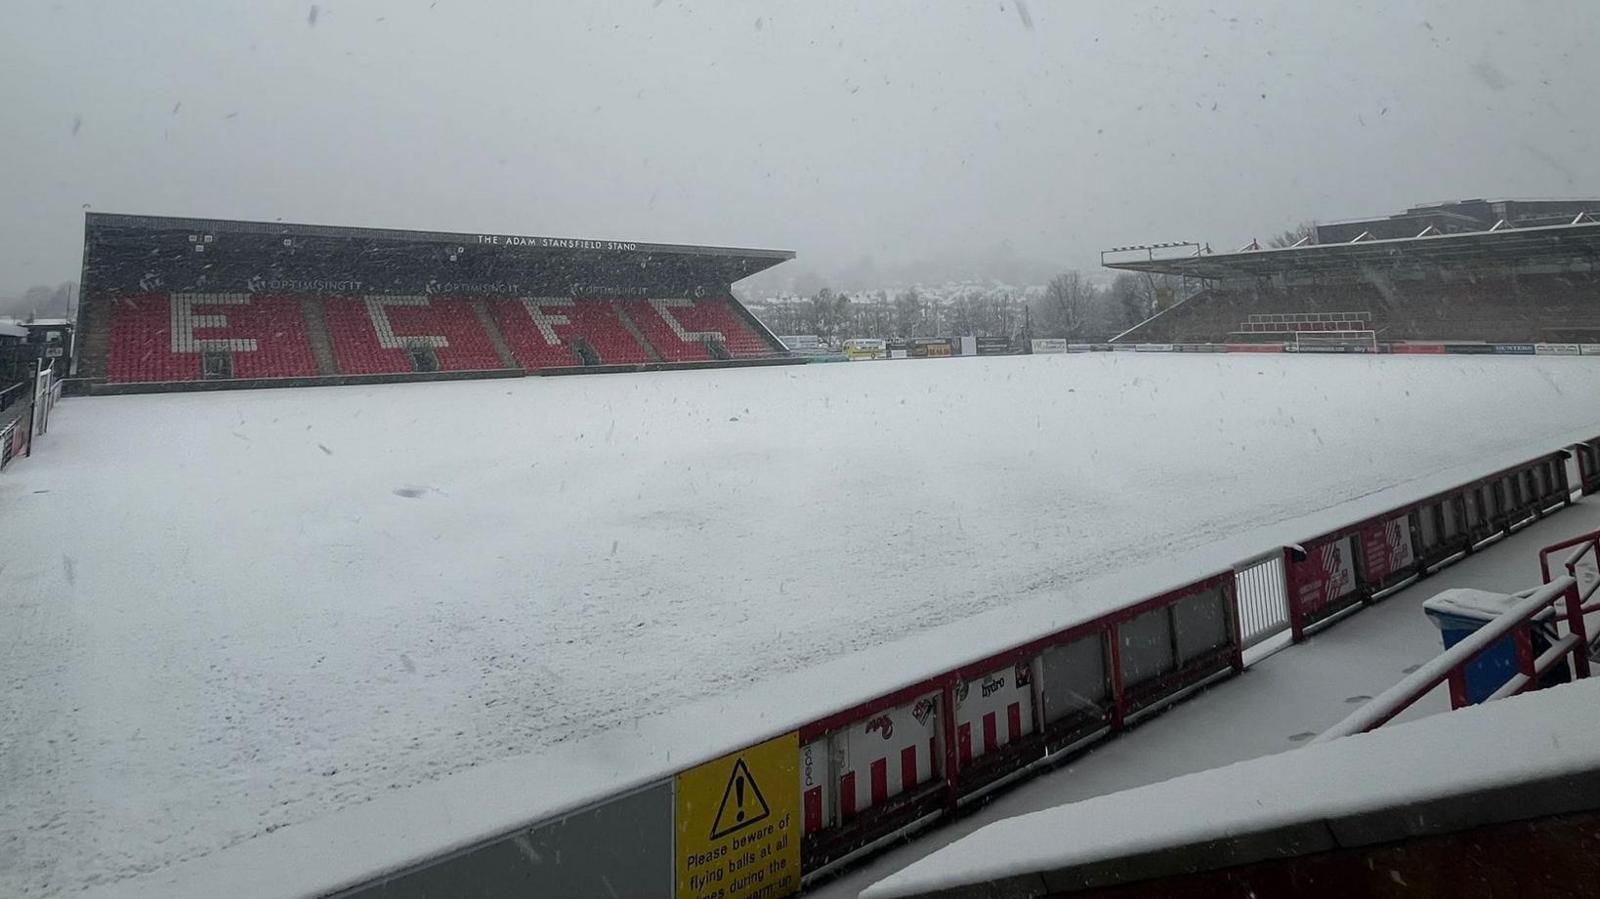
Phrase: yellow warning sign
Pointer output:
(742, 803)
(738, 824)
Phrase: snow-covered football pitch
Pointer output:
(224, 613)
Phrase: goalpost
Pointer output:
(1336, 341)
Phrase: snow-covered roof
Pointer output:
(129, 252)
(1555, 244)
(1402, 781)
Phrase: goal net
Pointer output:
(1336, 341)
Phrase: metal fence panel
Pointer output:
(1146, 649)
(1427, 528)
(1200, 624)
(1073, 678)
(1263, 598)
(6, 434)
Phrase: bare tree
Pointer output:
(1068, 300)
(1306, 231)
(1005, 317)
(1133, 297)
(832, 312)
(908, 313)
(41, 300)
(1144, 294)
(965, 312)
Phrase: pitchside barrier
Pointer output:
(14, 441)
(1042, 346)
(16, 437)
(759, 820)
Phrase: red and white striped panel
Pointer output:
(1327, 574)
(1387, 547)
(814, 784)
(993, 711)
(891, 752)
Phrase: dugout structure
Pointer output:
(175, 303)
(1503, 285)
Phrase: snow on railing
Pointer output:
(9, 442)
(1582, 564)
(1450, 666)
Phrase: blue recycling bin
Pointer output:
(1459, 613)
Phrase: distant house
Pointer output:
(23, 343)
(12, 337)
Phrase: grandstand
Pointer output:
(176, 302)
(1512, 280)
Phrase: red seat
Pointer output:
(679, 328)
(717, 315)
(152, 339)
(372, 335)
(546, 342)
(659, 321)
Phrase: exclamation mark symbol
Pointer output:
(738, 795)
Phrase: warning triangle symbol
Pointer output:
(742, 803)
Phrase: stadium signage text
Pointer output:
(489, 287)
(256, 284)
(560, 243)
(607, 290)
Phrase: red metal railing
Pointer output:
(862, 788)
(1586, 582)
(870, 779)
(1450, 666)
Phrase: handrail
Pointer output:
(1579, 605)
(1543, 663)
(1572, 568)
(1580, 544)
(1451, 664)
(1577, 553)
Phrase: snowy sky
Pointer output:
(893, 129)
